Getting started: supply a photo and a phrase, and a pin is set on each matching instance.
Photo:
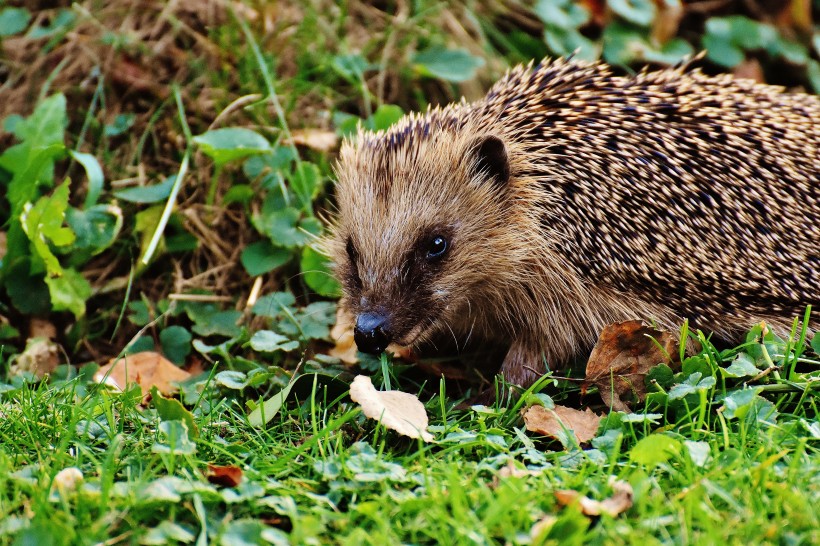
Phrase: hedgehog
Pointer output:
(569, 198)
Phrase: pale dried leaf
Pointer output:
(396, 410)
(40, 357)
(320, 140)
(66, 480)
(618, 503)
(147, 369)
(342, 333)
(542, 526)
(38, 327)
(553, 422)
(624, 354)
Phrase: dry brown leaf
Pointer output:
(320, 140)
(618, 503)
(750, 69)
(40, 357)
(553, 422)
(147, 369)
(542, 526)
(396, 410)
(226, 476)
(624, 354)
(38, 327)
(342, 334)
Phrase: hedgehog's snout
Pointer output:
(372, 333)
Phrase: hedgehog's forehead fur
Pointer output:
(415, 180)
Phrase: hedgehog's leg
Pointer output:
(523, 364)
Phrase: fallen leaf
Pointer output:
(66, 481)
(624, 354)
(42, 328)
(226, 476)
(396, 410)
(320, 140)
(554, 422)
(542, 526)
(40, 358)
(147, 369)
(342, 333)
(750, 69)
(512, 470)
(618, 503)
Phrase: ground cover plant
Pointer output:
(166, 171)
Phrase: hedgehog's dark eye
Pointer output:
(436, 248)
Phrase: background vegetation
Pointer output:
(165, 168)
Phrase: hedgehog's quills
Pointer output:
(569, 198)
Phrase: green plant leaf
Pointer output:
(176, 343)
(231, 379)
(69, 292)
(287, 227)
(742, 366)
(13, 21)
(120, 125)
(305, 183)
(738, 403)
(176, 439)
(562, 14)
(275, 305)
(223, 323)
(171, 409)
(261, 257)
(231, 143)
(385, 116)
(95, 228)
(43, 225)
(59, 24)
(654, 449)
(693, 384)
(95, 176)
(147, 194)
(453, 65)
(317, 274)
(638, 12)
(267, 341)
(266, 411)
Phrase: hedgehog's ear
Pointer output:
(490, 159)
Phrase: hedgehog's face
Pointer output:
(414, 220)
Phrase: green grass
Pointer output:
(725, 451)
(321, 473)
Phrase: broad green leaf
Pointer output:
(654, 449)
(231, 379)
(59, 24)
(737, 403)
(693, 384)
(351, 67)
(261, 257)
(223, 323)
(385, 116)
(305, 183)
(317, 273)
(13, 21)
(287, 228)
(96, 228)
(639, 12)
(453, 65)
(231, 143)
(268, 341)
(167, 532)
(176, 343)
(29, 293)
(43, 225)
(265, 412)
(562, 14)
(95, 176)
(742, 366)
(275, 305)
(242, 532)
(172, 410)
(699, 452)
(176, 438)
(239, 193)
(147, 194)
(568, 41)
(69, 292)
(120, 125)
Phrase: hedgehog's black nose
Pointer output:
(371, 333)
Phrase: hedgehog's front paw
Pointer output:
(523, 365)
